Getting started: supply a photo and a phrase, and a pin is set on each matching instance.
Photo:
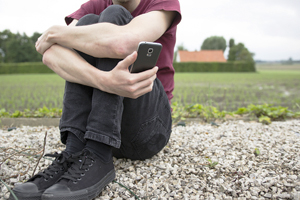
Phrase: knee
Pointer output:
(116, 14)
(88, 19)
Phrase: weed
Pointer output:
(40, 112)
(268, 112)
(211, 164)
(264, 120)
(256, 152)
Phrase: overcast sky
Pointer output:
(268, 28)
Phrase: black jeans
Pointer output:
(136, 128)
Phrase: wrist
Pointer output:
(54, 34)
(102, 80)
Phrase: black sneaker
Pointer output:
(35, 186)
(85, 178)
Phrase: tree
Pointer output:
(18, 48)
(214, 43)
(239, 52)
(5, 36)
(35, 56)
(2, 55)
(231, 43)
(290, 61)
(179, 48)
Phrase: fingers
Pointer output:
(142, 86)
(130, 59)
(126, 62)
(38, 45)
(132, 85)
(42, 43)
(146, 77)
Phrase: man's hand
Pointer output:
(44, 41)
(133, 85)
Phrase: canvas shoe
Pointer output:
(35, 186)
(84, 180)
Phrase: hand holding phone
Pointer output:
(148, 53)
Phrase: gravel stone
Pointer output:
(234, 160)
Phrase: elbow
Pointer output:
(121, 51)
(47, 58)
(123, 48)
(118, 46)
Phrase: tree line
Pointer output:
(16, 48)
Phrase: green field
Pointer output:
(226, 91)
(229, 91)
(277, 66)
(19, 92)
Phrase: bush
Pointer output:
(24, 68)
(236, 66)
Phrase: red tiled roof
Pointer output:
(201, 56)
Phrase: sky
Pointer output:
(268, 28)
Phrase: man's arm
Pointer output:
(77, 70)
(72, 67)
(108, 40)
(117, 81)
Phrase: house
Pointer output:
(201, 56)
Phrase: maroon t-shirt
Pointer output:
(165, 62)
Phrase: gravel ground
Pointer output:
(234, 160)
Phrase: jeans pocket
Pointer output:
(151, 138)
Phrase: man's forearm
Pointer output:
(71, 66)
(106, 40)
(98, 40)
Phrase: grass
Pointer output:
(225, 91)
(19, 92)
(229, 91)
(277, 66)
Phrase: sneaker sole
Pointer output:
(84, 194)
(24, 197)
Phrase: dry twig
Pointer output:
(43, 151)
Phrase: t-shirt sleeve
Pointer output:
(167, 5)
(92, 6)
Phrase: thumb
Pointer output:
(126, 62)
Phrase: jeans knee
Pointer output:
(88, 20)
(116, 14)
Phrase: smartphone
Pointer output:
(148, 53)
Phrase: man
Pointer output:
(107, 110)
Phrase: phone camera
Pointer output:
(150, 50)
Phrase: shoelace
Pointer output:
(81, 162)
(60, 163)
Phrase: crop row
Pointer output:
(225, 91)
